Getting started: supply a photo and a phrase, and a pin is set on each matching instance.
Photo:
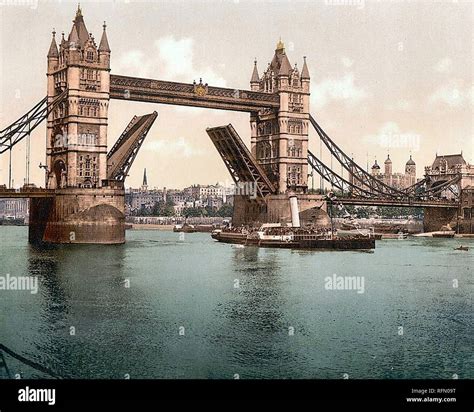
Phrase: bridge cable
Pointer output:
(15, 132)
(360, 174)
(333, 178)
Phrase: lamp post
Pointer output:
(45, 167)
(312, 180)
(330, 197)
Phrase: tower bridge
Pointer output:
(83, 198)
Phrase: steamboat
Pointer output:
(293, 236)
(277, 236)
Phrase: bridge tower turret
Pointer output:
(279, 139)
(76, 146)
(410, 171)
(388, 171)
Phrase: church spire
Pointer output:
(104, 43)
(145, 182)
(53, 49)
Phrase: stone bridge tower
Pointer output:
(279, 142)
(85, 207)
(279, 139)
(76, 146)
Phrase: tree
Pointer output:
(161, 208)
(225, 211)
(192, 212)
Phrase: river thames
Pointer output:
(165, 305)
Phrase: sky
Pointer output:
(386, 76)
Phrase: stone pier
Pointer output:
(276, 209)
(76, 215)
(434, 218)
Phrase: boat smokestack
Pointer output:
(295, 214)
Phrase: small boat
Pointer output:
(184, 228)
(444, 233)
(438, 234)
(358, 233)
(402, 235)
(465, 248)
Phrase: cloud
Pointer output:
(180, 147)
(134, 63)
(173, 59)
(453, 94)
(176, 54)
(390, 136)
(342, 89)
(444, 65)
(402, 105)
(347, 62)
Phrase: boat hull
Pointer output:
(327, 244)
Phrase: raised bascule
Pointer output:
(83, 199)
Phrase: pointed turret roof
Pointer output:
(285, 67)
(73, 38)
(255, 78)
(79, 33)
(104, 43)
(280, 63)
(53, 49)
(305, 71)
(388, 160)
(376, 165)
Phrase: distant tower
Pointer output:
(145, 182)
(410, 171)
(388, 166)
(375, 169)
(76, 143)
(279, 139)
(388, 171)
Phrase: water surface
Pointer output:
(195, 308)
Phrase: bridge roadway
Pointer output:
(398, 203)
(188, 94)
(26, 193)
(43, 193)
